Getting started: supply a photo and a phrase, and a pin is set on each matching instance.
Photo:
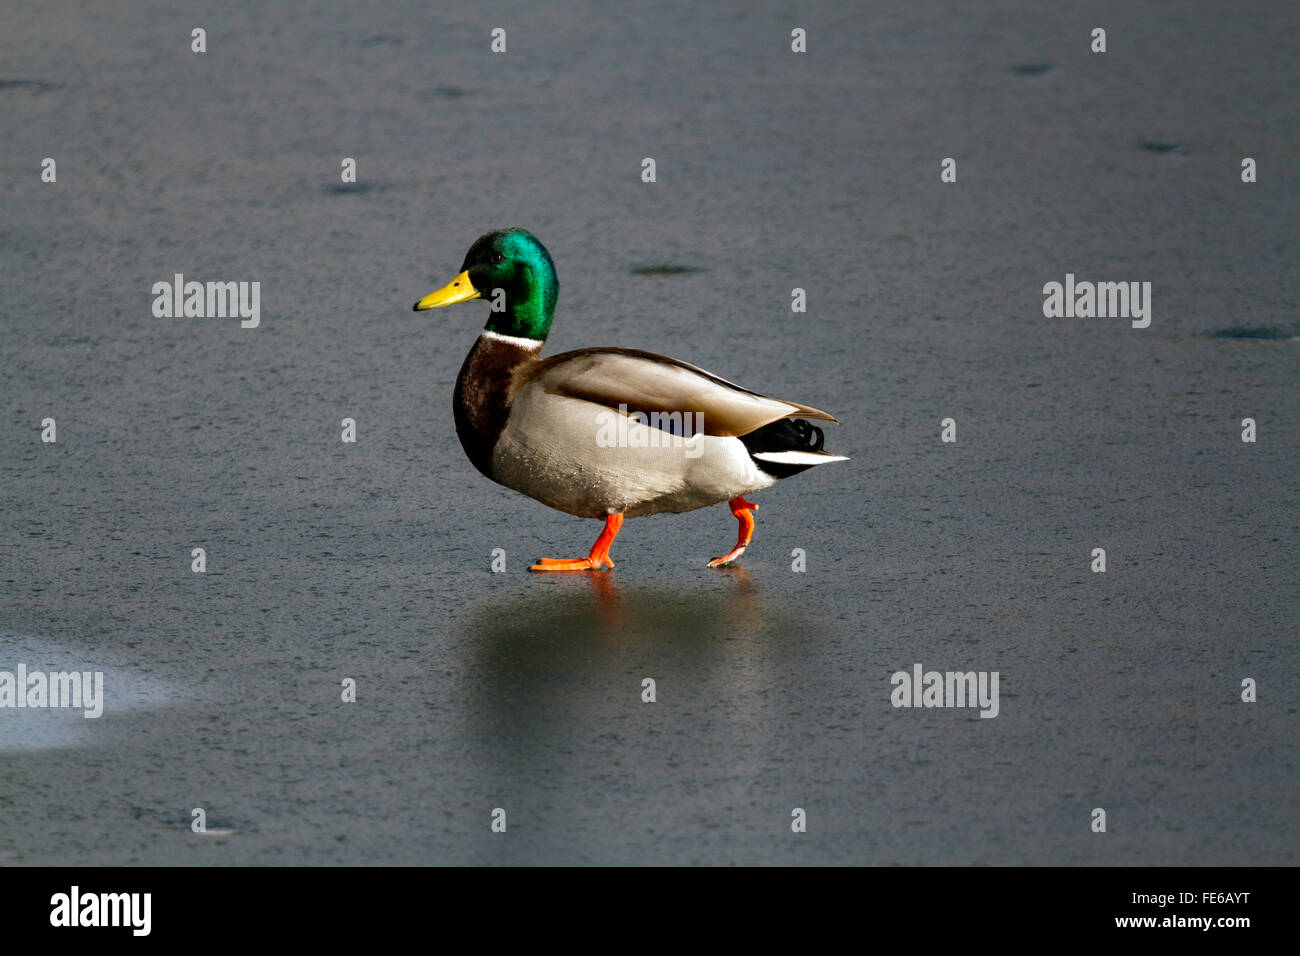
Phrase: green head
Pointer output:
(514, 261)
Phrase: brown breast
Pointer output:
(484, 391)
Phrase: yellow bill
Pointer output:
(459, 289)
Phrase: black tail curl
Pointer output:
(788, 434)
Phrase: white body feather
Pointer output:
(550, 450)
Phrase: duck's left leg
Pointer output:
(599, 552)
(741, 509)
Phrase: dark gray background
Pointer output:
(775, 170)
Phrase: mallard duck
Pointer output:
(609, 433)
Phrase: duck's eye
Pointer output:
(497, 258)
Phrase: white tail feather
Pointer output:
(798, 457)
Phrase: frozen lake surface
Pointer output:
(775, 170)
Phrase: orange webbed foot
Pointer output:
(570, 564)
(598, 558)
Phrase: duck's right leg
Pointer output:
(741, 509)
